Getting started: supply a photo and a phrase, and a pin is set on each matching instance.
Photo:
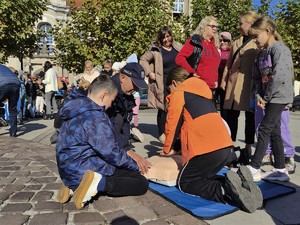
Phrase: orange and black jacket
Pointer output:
(193, 118)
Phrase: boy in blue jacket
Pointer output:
(89, 158)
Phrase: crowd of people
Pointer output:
(186, 83)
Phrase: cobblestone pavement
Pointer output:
(29, 184)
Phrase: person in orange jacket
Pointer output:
(206, 145)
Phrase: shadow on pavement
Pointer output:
(25, 128)
(124, 220)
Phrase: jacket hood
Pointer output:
(77, 104)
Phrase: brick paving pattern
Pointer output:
(29, 184)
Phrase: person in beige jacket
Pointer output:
(157, 62)
(237, 80)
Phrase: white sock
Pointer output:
(252, 170)
(281, 170)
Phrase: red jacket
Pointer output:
(209, 62)
(192, 112)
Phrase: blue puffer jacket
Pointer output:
(86, 141)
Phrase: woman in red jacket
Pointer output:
(207, 67)
(206, 145)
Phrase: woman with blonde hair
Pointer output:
(236, 81)
(204, 40)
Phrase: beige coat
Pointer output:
(152, 61)
(237, 80)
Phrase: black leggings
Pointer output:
(126, 183)
(198, 176)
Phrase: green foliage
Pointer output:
(17, 33)
(109, 29)
(287, 19)
(227, 12)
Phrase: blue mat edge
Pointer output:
(292, 190)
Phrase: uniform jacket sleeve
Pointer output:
(174, 119)
(183, 55)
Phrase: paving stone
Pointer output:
(69, 206)
(14, 187)
(4, 174)
(23, 163)
(44, 180)
(186, 219)
(33, 187)
(46, 206)
(11, 155)
(165, 210)
(7, 163)
(52, 186)
(124, 202)
(16, 207)
(7, 180)
(21, 173)
(105, 205)
(42, 196)
(22, 180)
(22, 196)
(5, 195)
(10, 168)
(90, 218)
(157, 222)
(39, 173)
(116, 214)
(141, 212)
(14, 219)
(56, 218)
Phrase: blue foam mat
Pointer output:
(206, 209)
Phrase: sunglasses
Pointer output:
(215, 27)
(224, 40)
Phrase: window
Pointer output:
(178, 6)
(47, 39)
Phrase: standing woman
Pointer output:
(225, 49)
(206, 68)
(237, 79)
(157, 62)
(51, 87)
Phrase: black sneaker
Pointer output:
(244, 157)
(245, 175)
(237, 193)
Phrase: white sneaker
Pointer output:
(257, 174)
(137, 134)
(275, 175)
(87, 188)
(162, 138)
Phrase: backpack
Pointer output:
(195, 57)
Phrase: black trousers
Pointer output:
(199, 175)
(269, 131)
(232, 117)
(161, 121)
(126, 183)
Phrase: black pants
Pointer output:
(161, 121)
(232, 117)
(126, 183)
(269, 130)
(198, 176)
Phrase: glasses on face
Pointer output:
(224, 40)
(214, 27)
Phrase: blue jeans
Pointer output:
(11, 92)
